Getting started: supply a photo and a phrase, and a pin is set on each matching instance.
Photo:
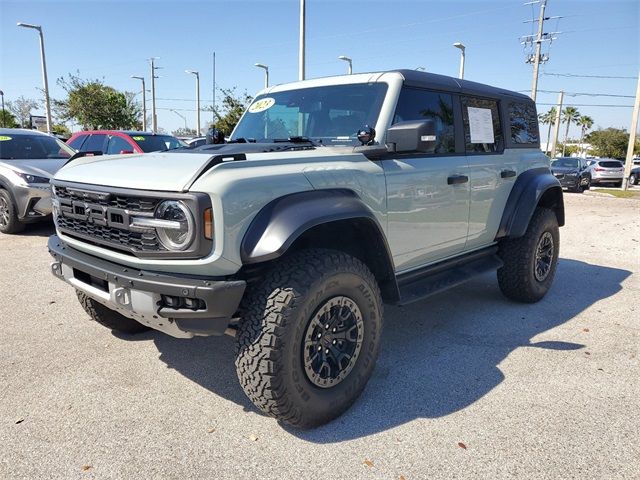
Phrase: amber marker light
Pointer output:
(208, 224)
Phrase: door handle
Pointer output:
(456, 179)
(507, 173)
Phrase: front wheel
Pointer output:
(633, 179)
(530, 261)
(9, 222)
(309, 337)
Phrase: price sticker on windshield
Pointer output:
(138, 138)
(4, 138)
(262, 105)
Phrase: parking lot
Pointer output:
(468, 384)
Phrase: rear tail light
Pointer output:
(598, 169)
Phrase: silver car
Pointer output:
(28, 160)
(607, 170)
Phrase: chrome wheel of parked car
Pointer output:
(333, 341)
(632, 179)
(544, 256)
(4, 212)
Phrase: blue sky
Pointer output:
(113, 40)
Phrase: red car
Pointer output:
(114, 142)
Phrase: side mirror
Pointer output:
(123, 152)
(412, 136)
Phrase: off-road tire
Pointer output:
(517, 278)
(108, 318)
(277, 312)
(9, 222)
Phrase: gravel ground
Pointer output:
(468, 385)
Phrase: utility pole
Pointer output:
(3, 114)
(556, 130)
(632, 138)
(536, 61)
(301, 72)
(213, 108)
(154, 117)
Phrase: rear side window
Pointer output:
(610, 164)
(523, 122)
(94, 143)
(77, 142)
(482, 128)
(416, 104)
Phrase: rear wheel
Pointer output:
(9, 222)
(309, 337)
(633, 179)
(530, 261)
(108, 318)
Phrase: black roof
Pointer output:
(416, 78)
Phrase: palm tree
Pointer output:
(569, 115)
(548, 118)
(585, 122)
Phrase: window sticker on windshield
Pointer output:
(138, 138)
(480, 125)
(4, 138)
(262, 105)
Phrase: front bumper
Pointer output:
(33, 201)
(138, 294)
(567, 181)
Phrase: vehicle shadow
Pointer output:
(39, 229)
(438, 356)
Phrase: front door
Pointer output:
(427, 194)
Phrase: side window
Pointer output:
(524, 123)
(416, 104)
(117, 145)
(94, 143)
(77, 142)
(482, 129)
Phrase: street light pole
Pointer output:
(47, 101)
(556, 130)
(349, 61)
(197, 74)
(462, 50)
(266, 73)
(301, 60)
(3, 114)
(183, 118)
(144, 103)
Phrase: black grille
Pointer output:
(101, 229)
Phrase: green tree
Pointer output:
(233, 106)
(548, 118)
(95, 105)
(21, 108)
(8, 120)
(569, 116)
(585, 123)
(61, 129)
(610, 142)
(184, 132)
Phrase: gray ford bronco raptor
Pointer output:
(332, 197)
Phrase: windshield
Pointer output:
(156, 143)
(565, 162)
(32, 147)
(331, 115)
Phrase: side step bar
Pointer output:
(442, 276)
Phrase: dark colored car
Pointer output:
(634, 176)
(114, 142)
(572, 173)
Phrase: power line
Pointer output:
(584, 94)
(590, 105)
(585, 76)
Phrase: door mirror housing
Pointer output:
(412, 136)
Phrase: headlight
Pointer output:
(178, 230)
(32, 178)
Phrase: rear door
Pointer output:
(427, 194)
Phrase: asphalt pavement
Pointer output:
(468, 384)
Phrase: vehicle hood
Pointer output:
(170, 171)
(43, 168)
